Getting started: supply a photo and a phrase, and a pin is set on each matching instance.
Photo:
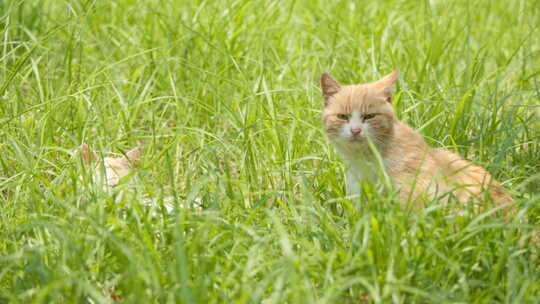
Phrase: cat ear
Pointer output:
(135, 154)
(386, 84)
(329, 87)
(87, 154)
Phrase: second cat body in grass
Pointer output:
(110, 172)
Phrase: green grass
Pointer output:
(225, 96)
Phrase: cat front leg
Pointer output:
(353, 187)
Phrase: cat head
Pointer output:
(355, 113)
(112, 169)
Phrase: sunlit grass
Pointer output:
(224, 94)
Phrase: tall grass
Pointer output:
(225, 96)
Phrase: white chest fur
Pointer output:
(359, 172)
(365, 168)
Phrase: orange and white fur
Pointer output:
(109, 172)
(356, 114)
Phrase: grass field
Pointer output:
(225, 96)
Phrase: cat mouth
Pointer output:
(356, 138)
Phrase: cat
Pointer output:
(360, 122)
(110, 172)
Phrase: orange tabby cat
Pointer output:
(111, 169)
(356, 114)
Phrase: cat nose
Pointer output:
(356, 131)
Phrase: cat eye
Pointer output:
(368, 116)
(343, 116)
